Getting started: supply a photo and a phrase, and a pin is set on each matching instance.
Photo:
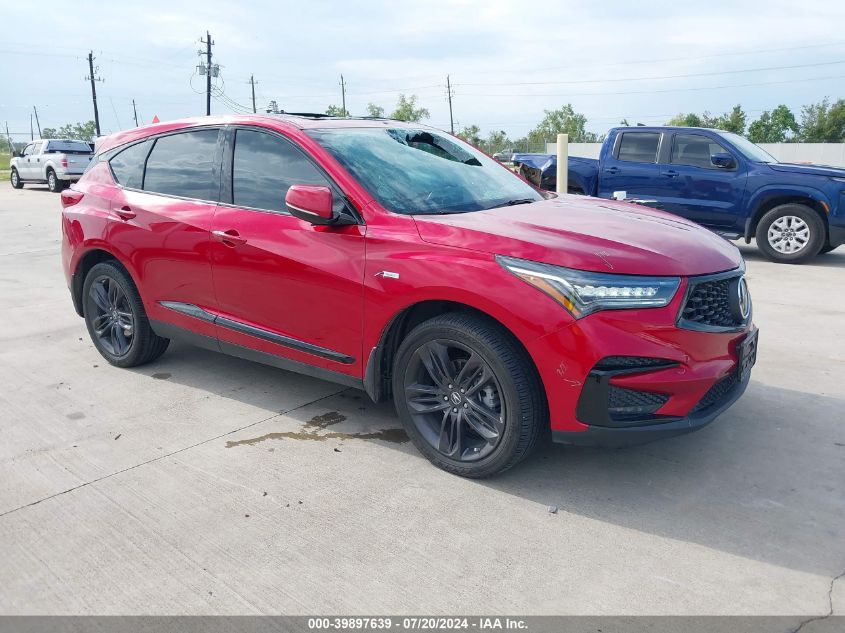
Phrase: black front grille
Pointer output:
(622, 402)
(708, 305)
(716, 393)
(615, 363)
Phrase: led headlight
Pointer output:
(582, 292)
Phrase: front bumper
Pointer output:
(617, 437)
(693, 376)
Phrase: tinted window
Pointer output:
(68, 147)
(695, 150)
(128, 165)
(182, 165)
(265, 166)
(640, 147)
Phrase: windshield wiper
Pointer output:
(511, 203)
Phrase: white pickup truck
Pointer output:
(54, 161)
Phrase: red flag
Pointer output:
(155, 119)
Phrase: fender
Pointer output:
(766, 193)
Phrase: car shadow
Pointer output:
(833, 259)
(764, 481)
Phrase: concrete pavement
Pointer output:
(206, 484)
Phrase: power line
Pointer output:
(623, 79)
(641, 92)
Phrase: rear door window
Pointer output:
(183, 165)
(128, 165)
(639, 147)
(264, 167)
(695, 150)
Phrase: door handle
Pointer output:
(125, 213)
(670, 173)
(230, 238)
(612, 170)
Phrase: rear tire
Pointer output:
(53, 183)
(790, 234)
(468, 395)
(116, 320)
(15, 179)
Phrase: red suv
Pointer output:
(397, 259)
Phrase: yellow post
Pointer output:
(562, 160)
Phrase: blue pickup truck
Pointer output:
(718, 179)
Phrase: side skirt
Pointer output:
(177, 333)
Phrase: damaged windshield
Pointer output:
(423, 171)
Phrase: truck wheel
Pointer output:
(15, 179)
(790, 234)
(468, 395)
(116, 320)
(53, 183)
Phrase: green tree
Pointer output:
(561, 121)
(686, 120)
(471, 134)
(733, 121)
(776, 126)
(497, 141)
(86, 131)
(375, 111)
(334, 110)
(822, 122)
(407, 110)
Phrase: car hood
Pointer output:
(588, 234)
(810, 170)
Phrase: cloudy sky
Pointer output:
(508, 59)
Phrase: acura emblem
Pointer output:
(743, 298)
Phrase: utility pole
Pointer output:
(343, 95)
(252, 83)
(207, 41)
(135, 112)
(93, 79)
(36, 121)
(31, 131)
(9, 137)
(449, 94)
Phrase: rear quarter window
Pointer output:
(127, 166)
(183, 165)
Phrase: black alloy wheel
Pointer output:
(115, 316)
(454, 400)
(468, 394)
(113, 320)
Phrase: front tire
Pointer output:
(15, 179)
(116, 320)
(468, 395)
(790, 234)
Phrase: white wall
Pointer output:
(819, 153)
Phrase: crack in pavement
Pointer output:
(176, 452)
(830, 606)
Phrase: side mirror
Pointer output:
(310, 203)
(723, 160)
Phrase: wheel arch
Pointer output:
(768, 200)
(86, 262)
(379, 367)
